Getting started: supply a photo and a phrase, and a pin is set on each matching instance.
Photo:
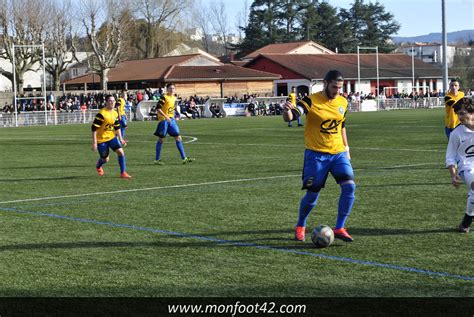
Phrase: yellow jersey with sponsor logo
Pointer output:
(452, 120)
(166, 104)
(324, 121)
(105, 123)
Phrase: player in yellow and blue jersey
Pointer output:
(450, 99)
(327, 151)
(292, 99)
(106, 134)
(167, 124)
(121, 115)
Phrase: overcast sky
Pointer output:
(417, 17)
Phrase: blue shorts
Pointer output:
(123, 121)
(103, 148)
(164, 127)
(318, 165)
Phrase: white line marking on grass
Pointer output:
(150, 188)
(249, 245)
(196, 184)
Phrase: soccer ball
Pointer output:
(322, 236)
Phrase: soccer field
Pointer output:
(223, 225)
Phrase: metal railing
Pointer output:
(34, 118)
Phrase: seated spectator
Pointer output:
(250, 110)
(215, 110)
(193, 109)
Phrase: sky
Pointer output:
(417, 17)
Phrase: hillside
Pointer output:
(453, 37)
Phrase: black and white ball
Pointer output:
(322, 236)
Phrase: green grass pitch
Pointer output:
(223, 225)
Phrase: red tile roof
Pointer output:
(315, 66)
(138, 70)
(281, 48)
(206, 73)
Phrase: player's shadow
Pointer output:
(396, 231)
(13, 180)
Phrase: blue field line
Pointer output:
(244, 244)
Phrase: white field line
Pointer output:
(149, 188)
(194, 139)
(230, 181)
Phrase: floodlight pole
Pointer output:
(445, 47)
(412, 68)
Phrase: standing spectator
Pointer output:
(167, 124)
(327, 151)
(453, 95)
(106, 134)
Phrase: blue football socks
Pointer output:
(179, 145)
(121, 160)
(346, 200)
(306, 205)
(100, 162)
(158, 150)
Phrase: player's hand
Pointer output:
(124, 142)
(456, 181)
(287, 106)
(94, 147)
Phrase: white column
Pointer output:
(431, 85)
(348, 87)
(424, 86)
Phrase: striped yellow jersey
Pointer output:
(452, 119)
(105, 123)
(121, 107)
(292, 96)
(325, 119)
(166, 104)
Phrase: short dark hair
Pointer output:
(108, 96)
(334, 75)
(466, 103)
(454, 80)
(168, 85)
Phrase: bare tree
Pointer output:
(22, 23)
(60, 48)
(106, 41)
(220, 24)
(242, 18)
(156, 16)
(202, 21)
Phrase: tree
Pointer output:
(370, 25)
(219, 21)
(22, 23)
(202, 21)
(107, 41)
(262, 28)
(60, 49)
(322, 23)
(155, 20)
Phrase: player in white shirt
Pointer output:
(460, 156)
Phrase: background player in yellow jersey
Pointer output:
(106, 134)
(327, 151)
(450, 99)
(292, 97)
(167, 124)
(121, 114)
